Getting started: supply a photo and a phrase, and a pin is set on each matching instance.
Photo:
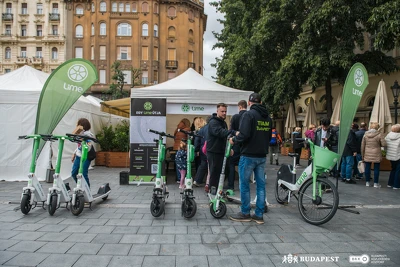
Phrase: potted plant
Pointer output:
(286, 148)
(105, 138)
(119, 156)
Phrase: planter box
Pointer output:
(286, 150)
(117, 159)
(305, 154)
(385, 165)
(100, 158)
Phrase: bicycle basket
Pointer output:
(324, 158)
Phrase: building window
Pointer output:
(9, 8)
(172, 11)
(124, 53)
(145, 29)
(191, 56)
(171, 32)
(55, 8)
(155, 53)
(38, 52)
(145, 7)
(171, 75)
(7, 70)
(93, 7)
(145, 53)
(191, 15)
(79, 10)
(155, 30)
(103, 28)
(102, 76)
(127, 7)
(78, 52)
(92, 29)
(23, 52)
(54, 53)
(134, 7)
(78, 31)
(23, 30)
(124, 29)
(127, 76)
(114, 7)
(155, 77)
(8, 30)
(39, 8)
(155, 8)
(8, 53)
(54, 29)
(39, 31)
(145, 77)
(121, 7)
(103, 7)
(102, 52)
(171, 54)
(24, 8)
(191, 39)
(92, 53)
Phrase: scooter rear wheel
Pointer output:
(220, 212)
(79, 204)
(53, 204)
(25, 203)
(157, 206)
(189, 208)
(281, 194)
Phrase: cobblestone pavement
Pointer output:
(121, 231)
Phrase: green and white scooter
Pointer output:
(33, 193)
(58, 193)
(82, 193)
(189, 206)
(160, 191)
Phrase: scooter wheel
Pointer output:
(157, 207)
(189, 208)
(25, 203)
(220, 212)
(53, 204)
(79, 204)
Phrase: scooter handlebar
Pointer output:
(160, 133)
(78, 138)
(190, 133)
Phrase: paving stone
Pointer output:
(384, 236)
(150, 230)
(270, 229)
(6, 243)
(27, 246)
(209, 222)
(163, 222)
(286, 248)
(261, 249)
(100, 229)
(248, 229)
(27, 259)
(56, 247)
(203, 249)
(8, 234)
(231, 261)
(179, 230)
(189, 223)
(115, 249)
(95, 222)
(367, 246)
(111, 216)
(7, 255)
(199, 230)
(140, 223)
(223, 230)
(52, 228)
(93, 260)
(316, 237)
(107, 238)
(316, 247)
(342, 237)
(29, 227)
(125, 229)
(389, 245)
(145, 249)
(76, 229)
(51, 221)
(232, 249)
(174, 249)
(132, 216)
(126, 261)
(161, 239)
(28, 235)
(151, 261)
(188, 239)
(54, 237)
(85, 248)
(84, 238)
(74, 221)
(255, 261)
(192, 261)
(134, 239)
(59, 260)
(342, 247)
(9, 225)
(266, 238)
(291, 237)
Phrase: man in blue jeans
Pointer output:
(254, 136)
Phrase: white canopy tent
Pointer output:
(20, 91)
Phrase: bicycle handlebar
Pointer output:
(78, 138)
(160, 133)
(190, 133)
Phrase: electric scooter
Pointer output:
(82, 193)
(58, 193)
(160, 191)
(189, 206)
(33, 193)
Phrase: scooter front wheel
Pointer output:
(79, 204)
(220, 212)
(189, 208)
(53, 204)
(157, 206)
(25, 203)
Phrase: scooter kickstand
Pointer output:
(66, 206)
(90, 206)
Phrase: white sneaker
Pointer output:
(395, 188)
(367, 184)
(389, 186)
(377, 185)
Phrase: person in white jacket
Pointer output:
(393, 154)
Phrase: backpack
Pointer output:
(91, 154)
(273, 140)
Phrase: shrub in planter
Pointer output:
(105, 138)
(119, 155)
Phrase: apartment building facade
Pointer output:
(32, 33)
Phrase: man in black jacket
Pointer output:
(349, 152)
(254, 136)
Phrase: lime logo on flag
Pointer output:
(358, 77)
(77, 73)
(148, 106)
(185, 108)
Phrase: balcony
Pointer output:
(155, 64)
(192, 65)
(22, 60)
(171, 64)
(8, 17)
(37, 60)
(54, 17)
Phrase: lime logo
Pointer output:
(77, 73)
(158, 183)
(185, 108)
(148, 106)
(358, 77)
(189, 183)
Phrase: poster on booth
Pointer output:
(146, 113)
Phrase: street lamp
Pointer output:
(395, 90)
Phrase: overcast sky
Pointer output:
(209, 55)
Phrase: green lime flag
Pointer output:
(61, 90)
(356, 82)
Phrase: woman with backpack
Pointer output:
(274, 145)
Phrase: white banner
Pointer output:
(198, 109)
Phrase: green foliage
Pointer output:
(105, 138)
(383, 152)
(117, 88)
(120, 142)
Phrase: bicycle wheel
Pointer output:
(323, 208)
(281, 194)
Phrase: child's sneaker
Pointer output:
(377, 185)
(181, 187)
(367, 184)
(389, 186)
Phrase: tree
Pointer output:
(117, 89)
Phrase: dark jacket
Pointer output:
(255, 132)
(333, 139)
(351, 145)
(359, 137)
(318, 135)
(217, 135)
(199, 142)
(235, 121)
(296, 143)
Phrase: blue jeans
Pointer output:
(75, 169)
(347, 167)
(247, 166)
(368, 171)
(394, 178)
